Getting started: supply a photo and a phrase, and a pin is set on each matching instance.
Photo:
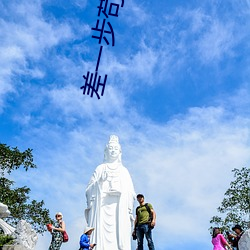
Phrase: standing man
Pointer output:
(144, 223)
(239, 231)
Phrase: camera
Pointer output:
(134, 235)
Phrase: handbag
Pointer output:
(65, 236)
(49, 227)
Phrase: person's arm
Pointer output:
(154, 217)
(232, 235)
(224, 242)
(92, 246)
(84, 241)
(229, 246)
(60, 229)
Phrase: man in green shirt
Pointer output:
(144, 223)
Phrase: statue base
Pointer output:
(12, 247)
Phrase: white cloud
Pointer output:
(134, 13)
(198, 19)
(239, 101)
(143, 64)
(71, 101)
(217, 42)
(32, 33)
(80, 3)
(25, 39)
(192, 34)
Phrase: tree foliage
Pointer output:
(235, 206)
(12, 159)
(17, 199)
(6, 239)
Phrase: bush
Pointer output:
(6, 240)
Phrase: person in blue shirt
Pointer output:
(84, 240)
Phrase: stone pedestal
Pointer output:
(13, 247)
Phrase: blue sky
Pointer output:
(177, 95)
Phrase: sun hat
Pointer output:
(87, 229)
(59, 213)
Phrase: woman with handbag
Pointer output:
(57, 232)
(219, 241)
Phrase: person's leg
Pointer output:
(56, 244)
(140, 231)
(51, 247)
(148, 235)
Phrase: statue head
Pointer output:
(113, 150)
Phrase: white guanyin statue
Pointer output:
(4, 212)
(110, 197)
(23, 234)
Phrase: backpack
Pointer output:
(149, 212)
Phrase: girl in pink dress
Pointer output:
(218, 240)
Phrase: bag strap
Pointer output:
(137, 210)
(148, 208)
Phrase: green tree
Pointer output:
(17, 199)
(235, 207)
